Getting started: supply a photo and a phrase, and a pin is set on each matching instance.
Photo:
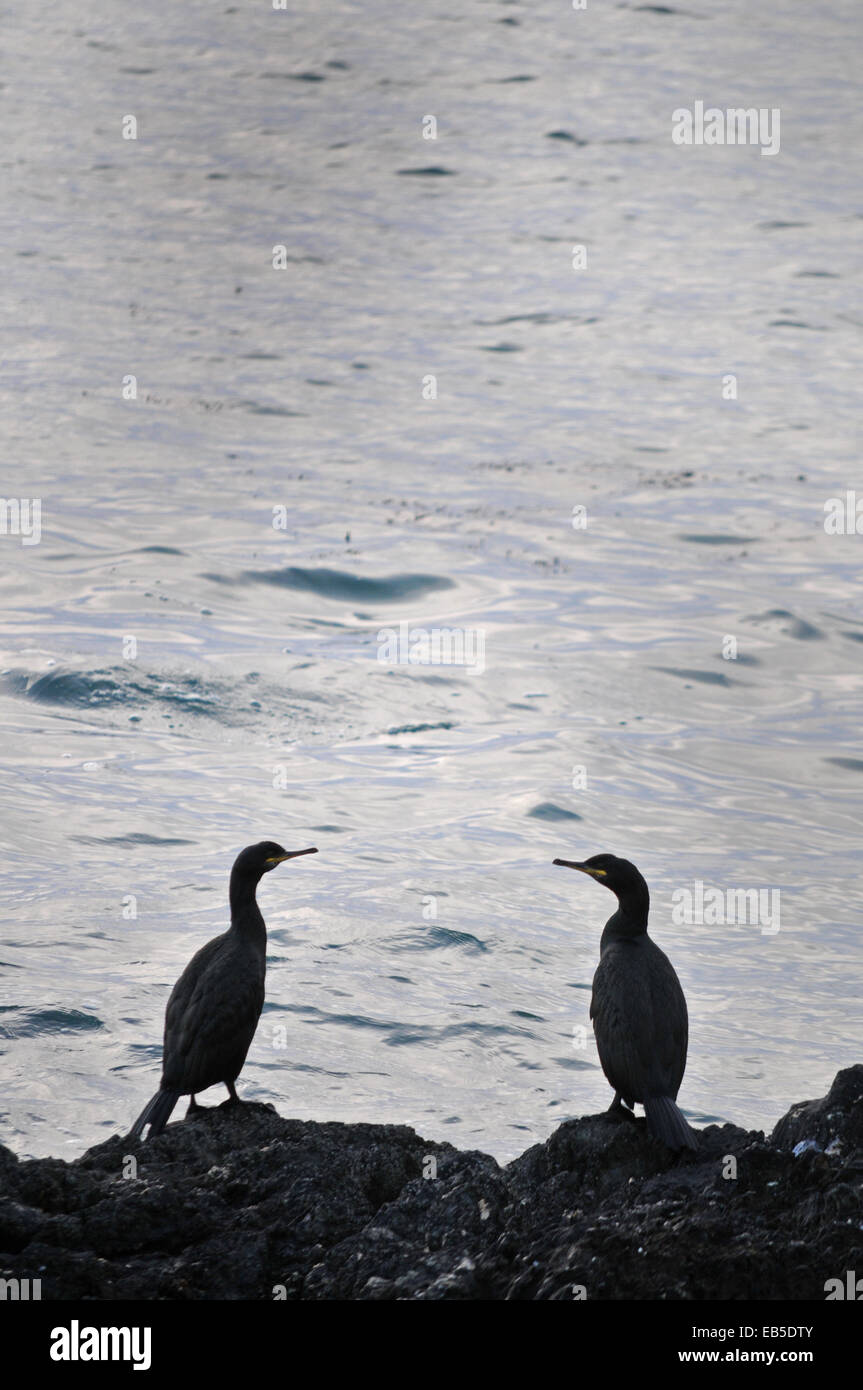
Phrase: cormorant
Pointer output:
(638, 1009)
(215, 1005)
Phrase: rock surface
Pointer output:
(238, 1203)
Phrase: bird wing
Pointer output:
(671, 1035)
(211, 1018)
(618, 998)
(639, 1018)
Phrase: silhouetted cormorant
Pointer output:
(638, 1009)
(215, 1005)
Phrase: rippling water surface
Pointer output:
(429, 965)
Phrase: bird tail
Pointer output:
(665, 1121)
(156, 1114)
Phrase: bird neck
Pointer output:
(246, 916)
(627, 923)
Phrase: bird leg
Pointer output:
(193, 1106)
(618, 1107)
(232, 1093)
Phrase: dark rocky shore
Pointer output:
(240, 1203)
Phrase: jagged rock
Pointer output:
(238, 1203)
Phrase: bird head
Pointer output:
(256, 860)
(622, 877)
